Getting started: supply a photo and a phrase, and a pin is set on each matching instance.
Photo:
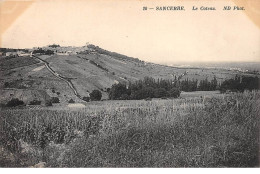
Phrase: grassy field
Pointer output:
(220, 131)
(11, 63)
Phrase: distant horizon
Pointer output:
(153, 36)
(159, 62)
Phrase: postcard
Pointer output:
(129, 83)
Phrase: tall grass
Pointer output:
(208, 132)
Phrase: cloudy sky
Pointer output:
(123, 26)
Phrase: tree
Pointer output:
(213, 84)
(160, 92)
(95, 95)
(6, 84)
(55, 100)
(86, 99)
(240, 84)
(14, 102)
(35, 102)
(174, 92)
(116, 91)
(204, 85)
(188, 85)
(54, 45)
(124, 97)
(71, 101)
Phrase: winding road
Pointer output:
(67, 80)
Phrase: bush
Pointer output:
(116, 91)
(14, 102)
(148, 99)
(35, 102)
(124, 97)
(48, 103)
(174, 92)
(6, 84)
(71, 101)
(95, 95)
(86, 99)
(160, 92)
(55, 100)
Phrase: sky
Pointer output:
(123, 27)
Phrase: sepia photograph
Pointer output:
(129, 83)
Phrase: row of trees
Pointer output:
(41, 51)
(203, 85)
(142, 89)
(239, 84)
(206, 85)
(151, 88)
(54, 45)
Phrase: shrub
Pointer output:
(124, 97)
(160, 92)
(55, 100)
(95, 95)
(48, 103)
(35, 102)
(14, 102)
(148, 99)
(71, 101)
(86, 99)
(116, 91)
(6, 84)
(174, 92)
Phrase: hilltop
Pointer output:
(24, 74)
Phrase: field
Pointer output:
(196, 130)
(7, 63)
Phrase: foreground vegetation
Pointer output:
(197, 132)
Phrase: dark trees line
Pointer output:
(151, 88)
(240, 84)
(41, 51)
(142, 89)
(54, 46)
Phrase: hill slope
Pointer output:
(28, 78)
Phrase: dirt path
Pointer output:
(66, 79)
